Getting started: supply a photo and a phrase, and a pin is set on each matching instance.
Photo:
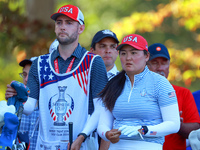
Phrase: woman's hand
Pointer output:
(113, 135)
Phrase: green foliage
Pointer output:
(9, 71)
(174, 23)
(19, 39)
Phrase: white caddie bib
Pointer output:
(63, 98)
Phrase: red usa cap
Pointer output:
(71, 11)
(134, 40)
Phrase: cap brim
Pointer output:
(56, 15)
(24, 62)
(105, 36)
(158, 55)
(121, 45)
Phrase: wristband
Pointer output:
(144, 130)
(83, 134)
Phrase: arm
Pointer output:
(167, 102)
(189, 114)
(92, 123)
(90, 126)
(105, 123)
(105, 130)
(170, 124)
(186, 128)
(29, 106)
(98, 80)
(104, 145)
(33, 84)
(97, 83)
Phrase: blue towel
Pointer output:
(21, 97)
(9, 131)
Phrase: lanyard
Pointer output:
(69, 67)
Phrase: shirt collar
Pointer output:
(76, 53)
(139, 76)
(113, 70)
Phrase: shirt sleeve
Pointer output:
(167, 101)
(29, 106)
(105, 122)
(98, 80)
(170, 124)
(93, 120)
(98, 76)
(190, 113)
(33, 80)
(165, 93)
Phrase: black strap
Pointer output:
(83, 134)
(144, 129)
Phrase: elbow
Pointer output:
(176, 126)
(29, 106)
(101, 132)
(27, 112)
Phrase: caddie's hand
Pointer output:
(10, 92)
(68, 145)
(113, 135)
(76, 145)
(129, 130)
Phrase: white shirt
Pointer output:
(112, 72)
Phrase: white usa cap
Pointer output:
(53, 45)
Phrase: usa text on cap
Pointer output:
(71, 11)
(134, 40)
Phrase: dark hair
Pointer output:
(112, 90)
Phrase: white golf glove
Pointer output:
(129, 130)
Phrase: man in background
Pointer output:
(28, 123)
(159, 62)
(104, 43)
(196, 95)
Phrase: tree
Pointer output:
(25, 32)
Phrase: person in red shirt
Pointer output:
(159, 62)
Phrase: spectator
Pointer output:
(104, 43)
(28, 123)
(196, 95)
(159, 62)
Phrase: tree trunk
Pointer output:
(40, 10)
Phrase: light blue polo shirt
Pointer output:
(140, 104)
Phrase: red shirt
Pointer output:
(190, 114)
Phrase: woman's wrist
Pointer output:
(144, 130)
